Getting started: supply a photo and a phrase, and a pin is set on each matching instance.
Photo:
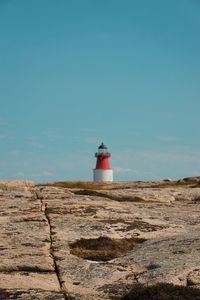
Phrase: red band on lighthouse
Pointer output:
(103, 161)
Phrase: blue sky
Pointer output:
(75, 73)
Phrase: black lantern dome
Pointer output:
(102, 146)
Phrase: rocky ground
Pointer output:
(39, 223)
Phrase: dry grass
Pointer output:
(105, 195)
(80, 185)
(171, 184)
(162, 291)
(103, 248)
(89, 185)
(3, 187)
(197, 185)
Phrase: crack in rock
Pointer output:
(44, 209)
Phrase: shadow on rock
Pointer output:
(162, 291)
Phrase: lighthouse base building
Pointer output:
(103, 175)
(103, 171)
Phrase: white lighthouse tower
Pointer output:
(103, 171)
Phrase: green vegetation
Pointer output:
(103, 248)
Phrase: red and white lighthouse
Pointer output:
(103, 171)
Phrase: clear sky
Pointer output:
(74, 73)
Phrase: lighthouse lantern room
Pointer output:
(103, 171)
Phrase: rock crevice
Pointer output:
(44, 210)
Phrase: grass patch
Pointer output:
(79, 185)
(162, 291)
(112, 197)
(89, 185)
(197, 185)
(103, 248)
(3, 187)
(171, 184)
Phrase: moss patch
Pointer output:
(103, 248)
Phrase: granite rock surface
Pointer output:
(38, 223)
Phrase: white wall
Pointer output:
(101, 175)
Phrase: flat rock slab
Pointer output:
(26, 280)
(28, 294)
(38, 223)
(26, 262)
(20, 185)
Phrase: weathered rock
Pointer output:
(27, 294)
(192, 179)
(193, 277)
(38, 223)
(29, 280)
(20, 185)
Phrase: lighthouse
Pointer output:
(103, 171)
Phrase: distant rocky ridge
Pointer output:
(16, 184)
(38, 223)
